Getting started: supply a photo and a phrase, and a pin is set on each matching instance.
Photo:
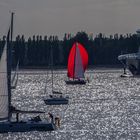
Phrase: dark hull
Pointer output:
(6, 127)
(56, 101)
(75, 82)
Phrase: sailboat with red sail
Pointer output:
(77, 64)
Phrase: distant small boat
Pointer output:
(126, 75)
(77, 64)
(56, 98)
(6, 109)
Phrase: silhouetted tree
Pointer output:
(102, 50)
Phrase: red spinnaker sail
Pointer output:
(71, 59)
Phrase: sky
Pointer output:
(56, 17)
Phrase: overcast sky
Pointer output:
(56, 17)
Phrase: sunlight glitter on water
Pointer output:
(106, 108)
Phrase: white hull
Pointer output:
(126, 75)
(25, 126)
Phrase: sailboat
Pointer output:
(77, 64)
(56, 98)
(7, 124)
(14, 78)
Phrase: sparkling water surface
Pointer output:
(106, 108)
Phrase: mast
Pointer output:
(52, 65)
(12, 19)
(9, 45)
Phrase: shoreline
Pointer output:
(64, 67)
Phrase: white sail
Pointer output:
(79, 70)
(14, 77)
(4, 104)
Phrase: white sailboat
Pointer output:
(14, 77)
(6, 109)
(56, 98)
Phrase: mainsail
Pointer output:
(77, 61)
(4, 98)
(5, 77)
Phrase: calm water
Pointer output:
(107, 108)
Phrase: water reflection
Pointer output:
(106, 108)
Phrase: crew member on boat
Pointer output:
(87, 79)
(51, 117)
(57, 121)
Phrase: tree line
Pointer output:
(102, 50)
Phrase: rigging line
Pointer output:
(51, 53)
(47, 74)
(46, 81)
